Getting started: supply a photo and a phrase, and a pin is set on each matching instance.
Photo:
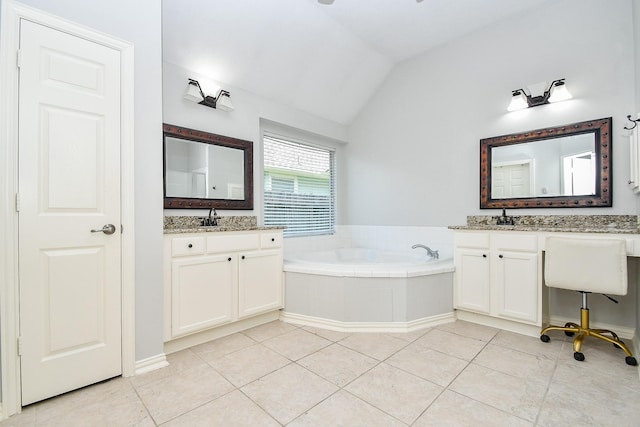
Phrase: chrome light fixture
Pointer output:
(222, 101)
(557, 92)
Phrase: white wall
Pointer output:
(139, 23)
(413, 152)
(244, 123)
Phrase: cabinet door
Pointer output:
(472, 289)
(202, 293)
(259, 282)
(516, 275)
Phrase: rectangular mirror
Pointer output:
(564, 166)
(204, 170)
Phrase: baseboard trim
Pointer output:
(622, 331)
(499, 323)
(151, 364)
(335, 325)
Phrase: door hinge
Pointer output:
(18, 58)
(17, 202)
(19, 346)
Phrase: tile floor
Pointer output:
(458, 374)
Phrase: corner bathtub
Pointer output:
(356, 289)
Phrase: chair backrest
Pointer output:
(591, 265)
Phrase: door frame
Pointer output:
(12, 13)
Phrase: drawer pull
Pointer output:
(273, 239)
(190, 245)
(484, 255)
(242, 256)
(500, 256)
(229, 259)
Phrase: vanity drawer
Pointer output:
(182, 246)
(471, 240)
(233, 242)
(515, 242)
(271, 240)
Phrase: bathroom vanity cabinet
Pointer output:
(216, 278)
(498, 274)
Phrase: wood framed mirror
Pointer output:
(204, 170)
(566, 166)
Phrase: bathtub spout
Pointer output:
(430, 252)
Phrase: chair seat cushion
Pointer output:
(590, 265)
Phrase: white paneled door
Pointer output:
(69, 212)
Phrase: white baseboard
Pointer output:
(499, 323)
(622, 331)
(335, 325)
(151, 364)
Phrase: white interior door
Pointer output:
(69, 184)
(510, 181)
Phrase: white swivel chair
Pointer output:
(586, 266)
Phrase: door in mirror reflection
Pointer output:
(579, 174)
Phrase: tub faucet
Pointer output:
(430, 252)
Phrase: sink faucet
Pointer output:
(211, 220)
(504, 219)
(430, 252)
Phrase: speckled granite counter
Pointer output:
(193, 224)
(612, 224)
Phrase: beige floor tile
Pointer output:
(400, 394)
(296, 344)
(515, 363)
(178, 362)
(182, 392)
(222, 346)
(344, 409)
(409, 336)
(428, 364)
(454, 410)
(338, 364)
(470, 330)
(26, 418)
(231, 410)
(334, 336)
(249, 364)
(74, 400)
(452, 344)
(119, 410)
(269, 330)
(531, 345)
(579, 397)
(378, 346)
(289, 392)
(517, 396)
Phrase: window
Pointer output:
(299, 186)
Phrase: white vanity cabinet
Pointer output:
(498, 274)
(215, 278)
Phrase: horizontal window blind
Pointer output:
(299, 187)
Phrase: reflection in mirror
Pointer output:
(204, 170)
(562, 166)
(565, 166)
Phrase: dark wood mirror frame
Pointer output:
(214, 139)
(601, 128)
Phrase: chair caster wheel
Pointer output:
(631, 361)
(578, 356)
(545, 338)
(569, 333)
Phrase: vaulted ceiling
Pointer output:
(323, 59)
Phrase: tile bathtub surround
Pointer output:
(610, 223)
(456, 374)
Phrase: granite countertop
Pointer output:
(193, 224)
(611, 224)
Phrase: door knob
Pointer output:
(106, 229)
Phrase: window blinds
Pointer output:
(299, 187)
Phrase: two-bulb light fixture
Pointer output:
(222, 101)
(557, 92)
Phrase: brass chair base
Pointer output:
(583, 330)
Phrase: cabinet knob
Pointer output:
(190, 245)
(229, 259)
(273, 239)
(484, 255)
(499, 256)
(242, 256)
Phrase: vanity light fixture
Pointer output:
(195, 94)
(557, 92)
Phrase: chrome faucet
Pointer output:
(430, 252)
